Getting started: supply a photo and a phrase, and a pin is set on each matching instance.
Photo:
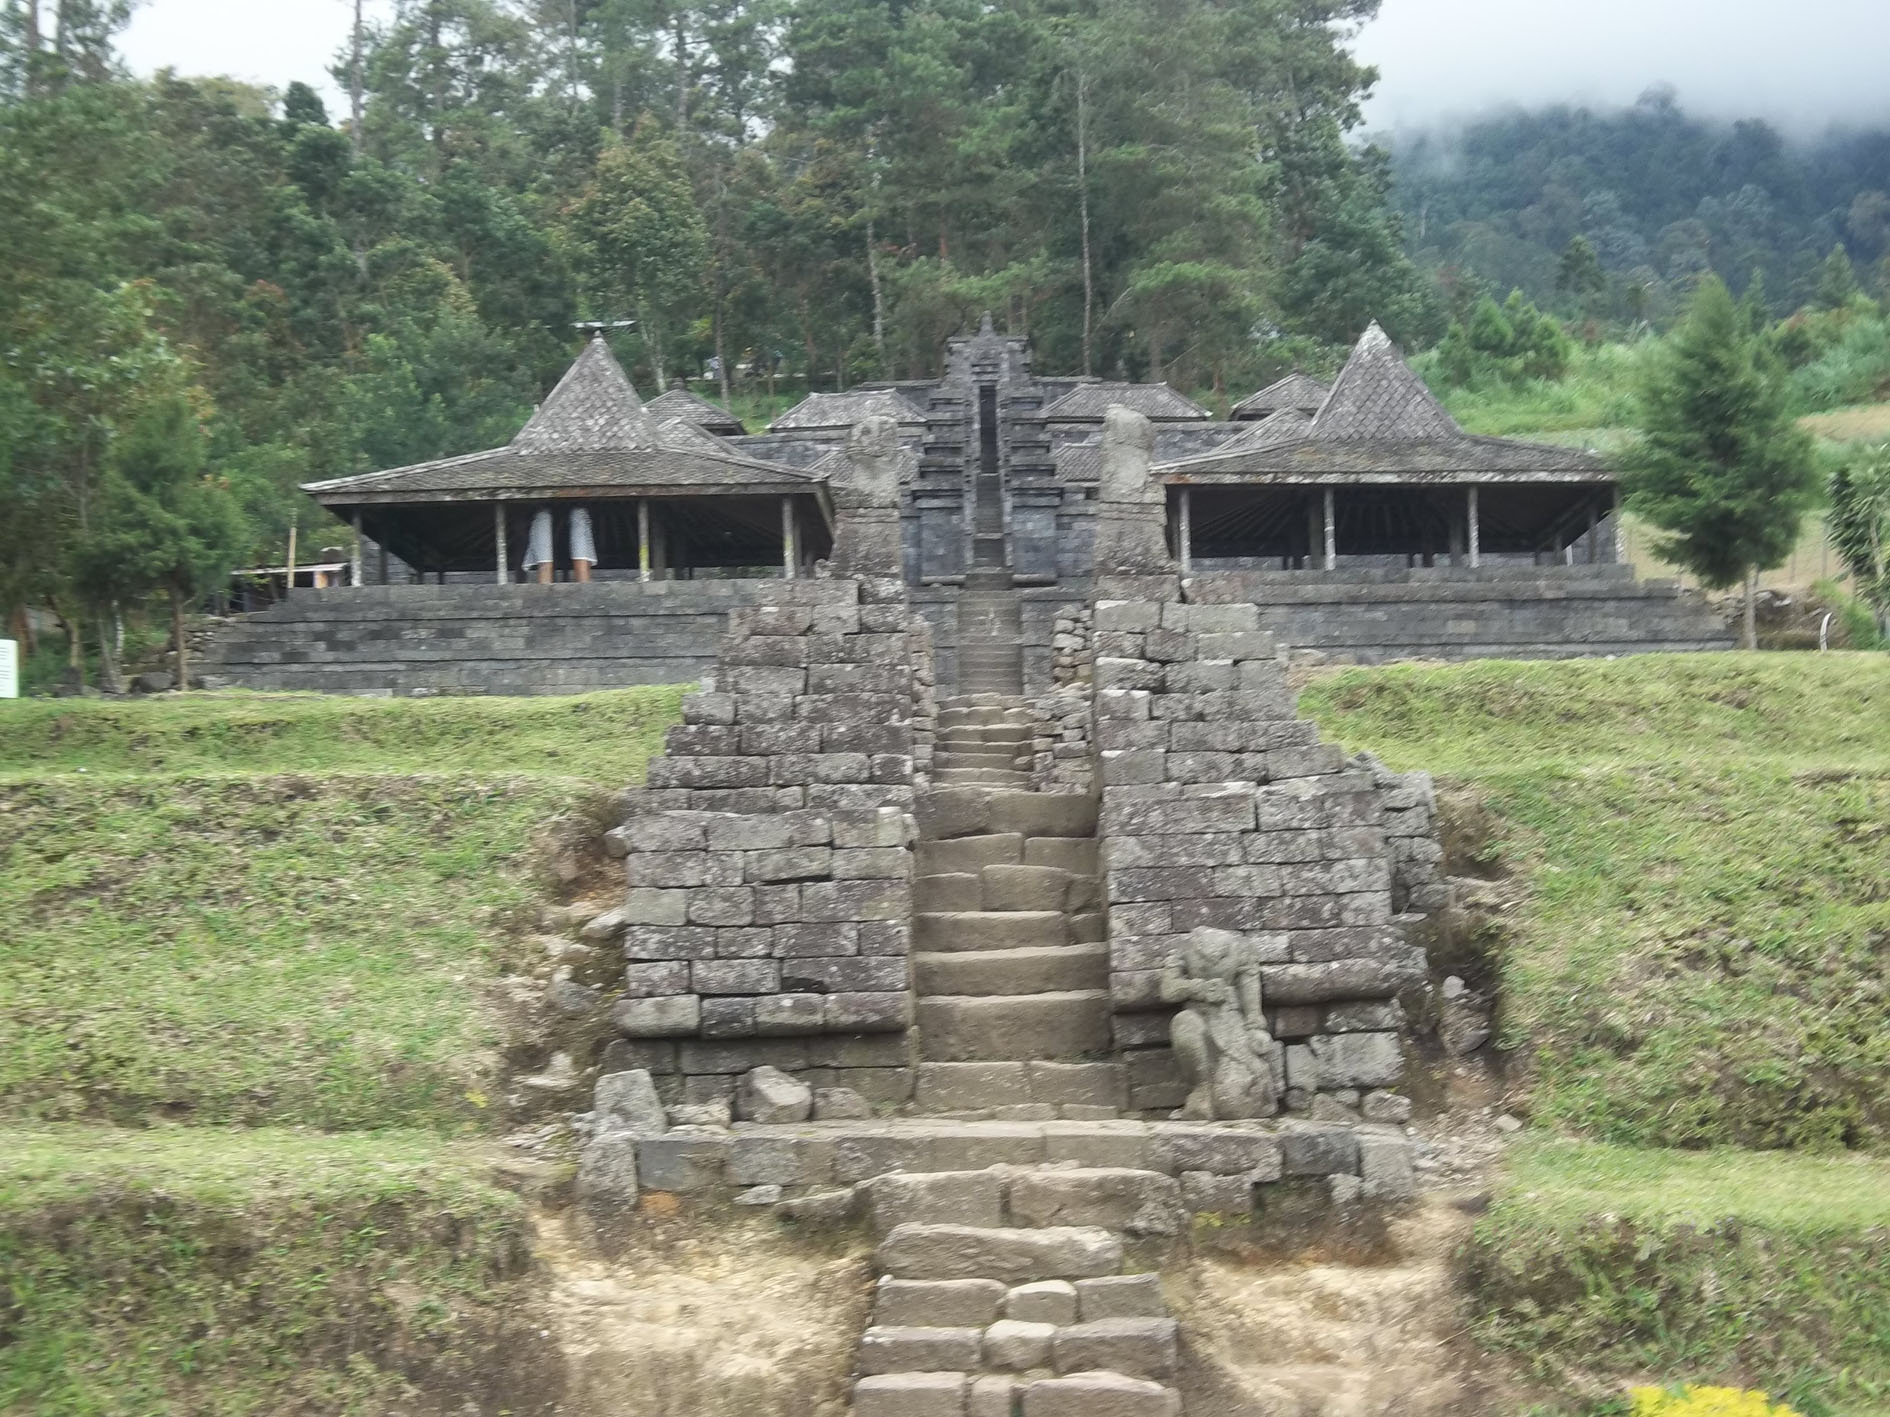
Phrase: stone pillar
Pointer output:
(643, 538)
(866, 494)
(790, 541)
(1330, 523)
(1131, 535)
(1476, 529)
(501, 572)
(1185, 537)
(354, 558)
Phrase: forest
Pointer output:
(216, 292)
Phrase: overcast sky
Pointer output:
(1805, 64)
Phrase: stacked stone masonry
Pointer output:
(767, 863)
(1222, 809)
(483, 639)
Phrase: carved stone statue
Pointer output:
(1132, 507)
(1128, 452)
(866, 496)
(1220, 1036)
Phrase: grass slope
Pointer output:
(1762, 1269)
(218, 914)
(284, 912)
(1700, 956)
(196, 1270)
(1697, 958)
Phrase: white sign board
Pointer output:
(9, 669)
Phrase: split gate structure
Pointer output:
(993, 736)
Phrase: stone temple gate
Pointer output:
(608, 542)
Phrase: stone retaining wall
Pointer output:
(419, 640)
(1221, 808)
(768, 862)
(1361, 616)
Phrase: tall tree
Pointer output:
(1721, 466)
(644, 242)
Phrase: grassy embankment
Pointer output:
(1694, 990)
(249, 1048)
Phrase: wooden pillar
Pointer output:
(1620, 529)
(1594, 538)
(289, 588)
(1185, 537)
(382, 558)
(501, 572)
(643, 538)
(790, 541)
(1476, 528)
(354, 560)
(1331, 524)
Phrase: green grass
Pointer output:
(1600, 1264)
(196, 1270)
(280, 910)
(599, 738)
(1699, 956)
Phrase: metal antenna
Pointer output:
(597, 327)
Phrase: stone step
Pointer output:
(978, 748)
(1025, 888)
(945, 893)
(969, 853)
(1011, 1256)
(1096, 1394)
(989, 973)
(1144, 1347)
(946, 813)
(955, 932)
(970, 1087)
(980, 777)
(987, 733)
(969, 1029)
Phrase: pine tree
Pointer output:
(1720, 467)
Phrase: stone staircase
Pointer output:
(1010, 960)
(990, 636)
(1003, 1294)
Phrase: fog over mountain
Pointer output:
(1805, 66)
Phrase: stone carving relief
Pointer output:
(1220, 1036)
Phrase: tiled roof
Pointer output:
(594, 409)
(1378, 396)
(592, 433)
(1089, 402)
(827, 411)
(685, 403)
(1295, 391)
(1379, 422)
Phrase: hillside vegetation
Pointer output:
(290, 913)
(1698, 956)
(1686, 910)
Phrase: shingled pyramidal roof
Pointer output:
(1378, 396)
(1090, 402)
(594, 409)
(1379, 419)
(592, 436)
(690, 406)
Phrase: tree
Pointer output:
(1720, 466)
(162, 522)
(1859, 523)
(645, 245)
(1580, 276)
(1837, 280)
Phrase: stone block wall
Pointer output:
(1363, 616)
(767, 863)
(418, 640)
(1221, 808)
